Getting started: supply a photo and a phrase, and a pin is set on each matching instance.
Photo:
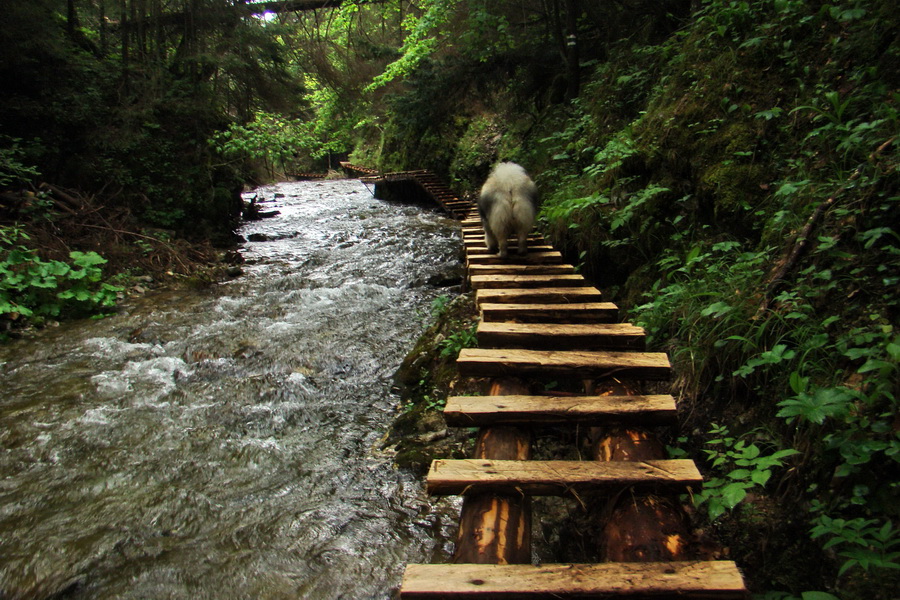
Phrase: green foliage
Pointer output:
(269, 137)
(12, 170)
(760, 112)
(432, 401)
(440, 306)
(706, 299)
(458, 340)
(743, 466)
(863, 542)
(34, 288)
(118, 113)
(803, 596)
(422, 39)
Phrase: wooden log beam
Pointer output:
(496, 528)
(640, 527)
(217, 16)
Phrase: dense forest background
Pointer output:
(725, 170)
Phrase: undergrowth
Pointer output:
(34, 289)
(748, 217)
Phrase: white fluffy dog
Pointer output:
(507, 205)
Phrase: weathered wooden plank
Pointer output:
(664, 580)
(576, 312)
(476, 242)
(477, 234)
(532, 258)
(488, 362)
(502, 281)
(474, 251)
(520, 269)
(558, 295)
(556, 477)
(480, 411)
(567, 336)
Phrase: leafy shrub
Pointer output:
(34, 288)
(465, 338)
(743, 466)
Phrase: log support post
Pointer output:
(637, 527)
(496, 528)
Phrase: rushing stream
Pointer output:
(224, 443)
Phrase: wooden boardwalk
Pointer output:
(541, 320)
(413, 185)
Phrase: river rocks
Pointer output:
(265, 237)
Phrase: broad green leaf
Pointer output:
(733, 493)
(716, 310)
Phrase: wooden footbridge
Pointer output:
(541, 320)
(419, 186)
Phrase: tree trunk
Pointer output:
(123, 19)
(573, 68)
(104, 34)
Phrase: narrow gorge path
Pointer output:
(541, 320)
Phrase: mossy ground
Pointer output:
(426, 378)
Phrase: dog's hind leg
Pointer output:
(503, 243)
(489, 239)
(523, 242)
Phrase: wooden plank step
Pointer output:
(556, 477)
(575, 312)
(568, 336)
(473, 239)
(484, 411)
(516, 281)
(692, 580)
(532, 258)
(520, 269)
(478, 246)
(490, 362)
(532, 247)
(557, 295)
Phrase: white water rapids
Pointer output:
(224, 443)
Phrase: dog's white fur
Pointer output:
(507, 205)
